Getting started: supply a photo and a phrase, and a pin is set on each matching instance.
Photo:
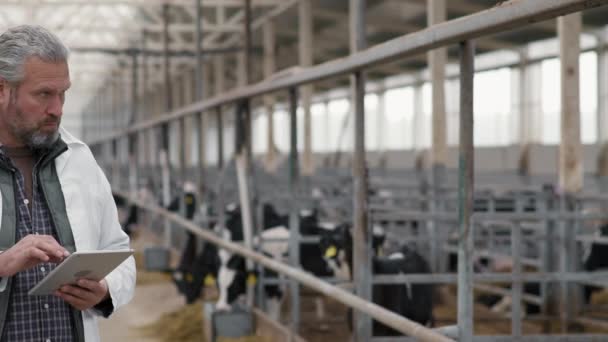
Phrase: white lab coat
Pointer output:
(94, 220)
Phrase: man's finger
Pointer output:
(78, 292)
(35, 253)
(73, 300)
(55, 249)
(92, 285)
(52, 248)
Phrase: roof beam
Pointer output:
(402, 27)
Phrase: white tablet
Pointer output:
(81, 264)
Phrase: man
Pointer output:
(54, 200)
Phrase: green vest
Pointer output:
(51, 188)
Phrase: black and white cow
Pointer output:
(127, 214)
(414, 301)
(595, 260)
(272, 241)
(185, 203)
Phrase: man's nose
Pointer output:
(55, 106)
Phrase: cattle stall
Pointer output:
(435, 218)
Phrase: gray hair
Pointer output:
(21, 42)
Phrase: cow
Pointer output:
(128, 214)
(232, 276)
(498, 303)
(195, 268)
(230, 270)
(414, 301)
(596, 259)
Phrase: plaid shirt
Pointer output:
(35, 318)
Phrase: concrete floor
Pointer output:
(151, 300)
(149, 303)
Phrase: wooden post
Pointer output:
(306, 91)
(570, 150)
(465, 193)
(269, 100)
(362, 270)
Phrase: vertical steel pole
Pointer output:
(220, 138)
(294, 229)
(182, 148)
(362, 271)
(602, 109)
(516, 287)
(147, 162)
(132, 138)
(115, 181)
(246, 152)
(198, 79)
(220, 164)
(164, 152)
(269, 38)
(248, 72)
(465, 193)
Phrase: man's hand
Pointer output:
(29, 252)
(85, 294)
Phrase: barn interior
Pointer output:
(452, 156)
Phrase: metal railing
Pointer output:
(504, 16)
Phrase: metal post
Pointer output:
(114, 165)
(144, 62)
(220, 138)
(146, 108)
(198, 79)
(132, 138)
(182, 148)
(164, 152)
(465, 193)
(516, 287)
(362, 271)
(248, 71)
(269, 68)
(294, 229)
(220, 166)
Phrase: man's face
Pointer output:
(30, 113)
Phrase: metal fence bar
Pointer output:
(506, 292)
(507, 338)
(436, 278)
(543, 338)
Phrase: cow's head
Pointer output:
(335, 245)
(336, 242)
(271, 218)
